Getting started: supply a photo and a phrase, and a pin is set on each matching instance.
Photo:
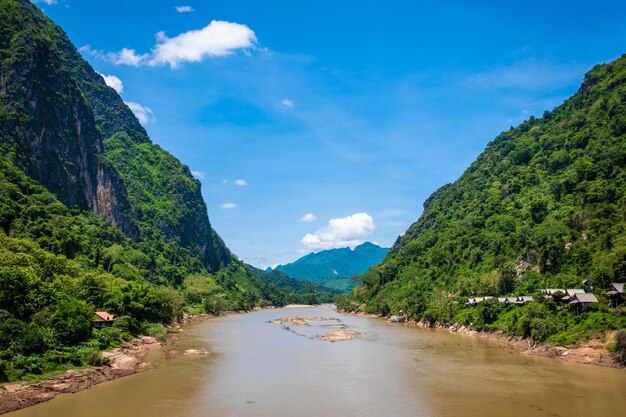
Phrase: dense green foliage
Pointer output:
(297, 291)
(89, 224)
(619, 346)
(333, 268)
(544, 206)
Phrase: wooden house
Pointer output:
(581, 301)
(549, 292)
(511, 300)
(477, 300)
(571, 292)
(616, 293)
(103, 319)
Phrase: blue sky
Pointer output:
(338, 118)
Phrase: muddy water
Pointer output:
(258, 369)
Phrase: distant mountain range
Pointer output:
(333, 268)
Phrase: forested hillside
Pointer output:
(93, 216)
(544, 206)
(297, 291)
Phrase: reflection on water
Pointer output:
(257, 369)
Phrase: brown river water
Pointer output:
(255, 368)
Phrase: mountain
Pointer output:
(93, 215)
(297, 291)
(74, 135)
(334, 267)
(544, 206)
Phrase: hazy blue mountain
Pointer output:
(333, 268)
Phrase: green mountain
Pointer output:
(297, 291)
(93, 215)
(334, 267)
(544, 206)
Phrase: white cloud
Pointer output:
(124, 57)
(287, 102)
(113, 82)
(341, 232)
(144, 114)
(228, 206)
(218, 38)
(308, 218)
(198, 174)
(224, 181)
(240, 182)
(128, 57)
(184, 9)
(48, 2)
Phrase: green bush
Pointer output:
(109, 337)
(619, 346)
(156, 330)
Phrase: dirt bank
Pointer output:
(592, 352)
(124, 360)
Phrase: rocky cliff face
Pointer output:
(57, 118)
(50, 130)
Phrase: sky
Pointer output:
(321, 124)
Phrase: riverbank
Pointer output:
(124, 360)
(591, 352)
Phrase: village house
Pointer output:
(581, 301)
(511, 300)
(477, 300)
(616, 293)
(549, 292)
(103, 319)
(517, 300)
(523, 299)
(571, 292)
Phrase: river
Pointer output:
(255, 368)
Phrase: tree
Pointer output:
(72, 320)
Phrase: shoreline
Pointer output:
(590, 352)
(125, 360)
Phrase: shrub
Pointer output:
(619, 347)
(156, 330)
(110, 337)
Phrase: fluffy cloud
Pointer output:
(143, 113)
(128, 57)
(198, 174)
(287, 102)
(228, 206)
(48, 2)
(240, 182)
(124, 57)
(113, 82)
(184, 9)
(218, 38)
(308, 218)
(341, 232)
